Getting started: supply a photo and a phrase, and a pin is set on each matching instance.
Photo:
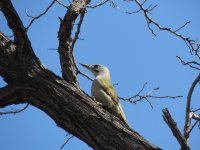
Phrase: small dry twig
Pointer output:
(40, 15)
(139, 97)
(85, 75)
(191, 64)
(78, 28)
(191, 44)
(67, 140)
(14, 111)
(102, 3)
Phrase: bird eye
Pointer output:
(95, 66)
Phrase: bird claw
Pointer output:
(98, 103)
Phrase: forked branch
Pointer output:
(188, 108)
(14, 111)
(192, 44)
(176, 132)
(140, 97)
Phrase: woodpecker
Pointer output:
(104, 92)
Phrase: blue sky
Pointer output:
(134, 56)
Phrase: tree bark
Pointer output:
(61, 98)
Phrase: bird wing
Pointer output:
(109, 89)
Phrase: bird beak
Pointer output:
(89, 67)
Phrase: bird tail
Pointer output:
(122, 115)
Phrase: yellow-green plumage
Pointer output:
(104, 92)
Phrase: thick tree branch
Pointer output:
(70, 108)
(14, 94)
(68, 66)
(188, 108)
(21, 39)
(176, 132)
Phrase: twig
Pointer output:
(78, 28)
(40, 15)
(66, 141)
(85, 75)
(97, 5)
(187, 110)
(65, 6)
(139, 97)
(190, 63)
(195, 110)
(193, 126)
(192, 45)
(14, 111)
(53, 49)
(102, 3)
(182, 26)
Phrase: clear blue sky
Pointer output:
(134, 56)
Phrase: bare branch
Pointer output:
(85, 75)
(63, 5)
(12, 94)
(182, 26)
(190, 63)
(193, 126)
(78, 28)
(14, 111)
(139, 97)
(195, 110)
(176, 132)
(68, 65)
(194, 116)
(187, 111)
(68, 139)
(40, 15)
(21, 39)
(192, 45)
(99, 4)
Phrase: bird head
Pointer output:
(97, 69)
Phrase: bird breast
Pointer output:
(100, 95)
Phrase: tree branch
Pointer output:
(187, 110)
(40, 15)
(176, 132)
(14, 94)
(21, 39)
(99, 4)
(194, 116)
(68, 106)
(191, 64)
(14, 111)
(139, 97)
(68, 66)
(192, 44)
(68, 139)
(78, 28)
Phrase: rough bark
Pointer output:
(176, 132)
(61, 98)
